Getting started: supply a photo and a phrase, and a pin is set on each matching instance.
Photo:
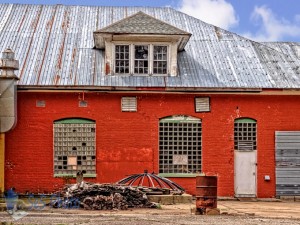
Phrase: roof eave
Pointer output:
(100, 38)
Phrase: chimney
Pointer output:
(8, 91)
(8, 64)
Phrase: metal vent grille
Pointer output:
(245, 145)
(129, 104)
(244, 136)
(40, 103)
(202, 104)
(82, 104)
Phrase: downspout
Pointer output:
(8, 104)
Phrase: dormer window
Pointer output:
(122, 59)
(160, 59)
(142, 59)
(141, 45)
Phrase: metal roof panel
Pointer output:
(54, 44)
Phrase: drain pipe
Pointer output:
(8, 103)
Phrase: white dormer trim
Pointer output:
(110, 60)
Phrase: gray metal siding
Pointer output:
(287, 163)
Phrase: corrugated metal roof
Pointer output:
(54, 44)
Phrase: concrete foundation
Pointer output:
(171, 199)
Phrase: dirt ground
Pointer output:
(232, 212)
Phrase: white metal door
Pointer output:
(245, 173)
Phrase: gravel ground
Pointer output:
(232, 213)
(141, 219)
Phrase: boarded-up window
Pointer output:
(180, 145)
(74, 147)
(129, 104)
(245, 134)
(202, 104)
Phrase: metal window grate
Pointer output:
(202, 104)
(122, 59)
(244, 136)
(180, 146)
(74, 148)
(160, 59)
(129, 104)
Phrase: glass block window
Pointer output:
(122, 59)
(245, 134)
(160, 59)
(141, 59)
(74, 147)
(180, 145)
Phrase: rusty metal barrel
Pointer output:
(206, 193)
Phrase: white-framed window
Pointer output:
(141, 59)
(147, 59)
(160, 59)
(122, 59)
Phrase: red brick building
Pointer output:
(115, 91)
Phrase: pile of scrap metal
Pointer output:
(101, 197)
(152, 184)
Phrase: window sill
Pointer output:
(73, 175)
(141, 75)
(177, 174)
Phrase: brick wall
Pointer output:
(127, 142)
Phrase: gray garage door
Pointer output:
(287, 163)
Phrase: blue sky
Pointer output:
(260, 20)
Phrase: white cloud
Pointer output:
(297, 18)
(217, 12)
(272, 28)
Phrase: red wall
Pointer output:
(127, 142)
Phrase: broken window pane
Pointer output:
(73, 151)
(141, 59)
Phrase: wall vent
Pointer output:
(40, 103)
(82, 104)
(202, 104)
(129, 104)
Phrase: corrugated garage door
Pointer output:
(287, 163)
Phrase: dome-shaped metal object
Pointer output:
(152, 182)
